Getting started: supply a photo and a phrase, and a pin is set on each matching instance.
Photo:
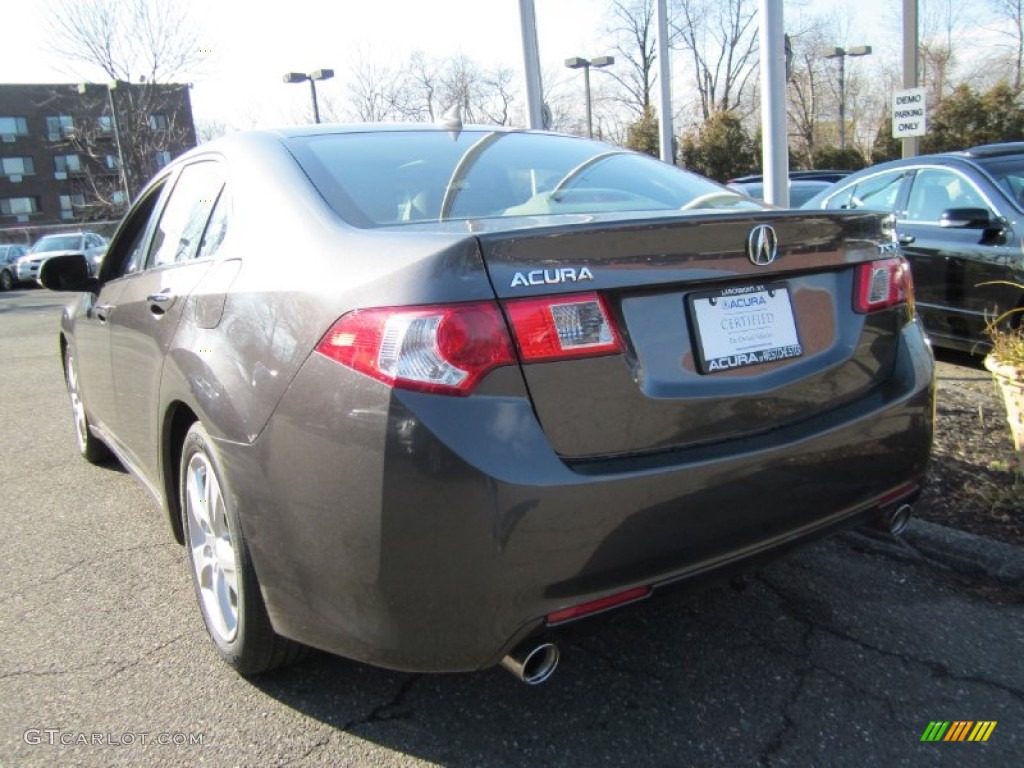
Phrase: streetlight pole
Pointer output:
(579, 63)
(301, 77)
(841, 54)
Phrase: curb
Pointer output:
(966, 553)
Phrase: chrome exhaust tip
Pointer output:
(894, 521)
(532, 663)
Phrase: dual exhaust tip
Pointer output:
(532, 662)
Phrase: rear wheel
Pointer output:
(6, 280)
(90, 446)
(222, 572)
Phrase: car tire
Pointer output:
(6, 280)
(225, 581)
(91, 447)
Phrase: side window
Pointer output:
(126, 253)
(877, 193)
(184, 218)
(936, 190)
(215, 229)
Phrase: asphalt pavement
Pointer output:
(842, 654)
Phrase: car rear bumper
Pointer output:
(434, 533)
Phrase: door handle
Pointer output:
(102, 311)
(906, 239)
(160, 302)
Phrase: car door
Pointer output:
(951, 264)
(91, 338)
(151, 305)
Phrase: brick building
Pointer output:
(72, 154)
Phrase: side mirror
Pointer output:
(967, 218)
(67, 273)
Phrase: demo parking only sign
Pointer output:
(908, 113)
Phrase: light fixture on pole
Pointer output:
(841, 54)
(579, 63)
(301, 77)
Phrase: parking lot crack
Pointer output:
(135, 662)
(938, 669)
(391, 710)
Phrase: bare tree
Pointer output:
(632, 29)
(430, 87)
(130, 40)
(807, 93)
(373, 92)
(1011, 12)
(721, 39)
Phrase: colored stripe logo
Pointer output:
(958, 730)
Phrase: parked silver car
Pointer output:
(89, 244)
(422, 396)
(9, 254)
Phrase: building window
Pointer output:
(163, 157)
(17, 166)
(13, 126)
(158, 122)
(118, 198)
(67, 164)
(113, 162)
(106, 125)
(68, 203)
(59, 127)
(18, 206)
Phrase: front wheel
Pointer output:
(222, 571)
(6, 280)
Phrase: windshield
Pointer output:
(396, 177)
(1008, 173)
(58, 243)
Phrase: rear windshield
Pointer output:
(389, 178)
(1008, 173)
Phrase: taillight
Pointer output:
(882, 284)
(448, 349)
(561, 327)
(445, 349)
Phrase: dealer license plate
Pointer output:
(738, 327)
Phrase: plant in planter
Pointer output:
(1006, 363)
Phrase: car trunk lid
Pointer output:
(732, 325)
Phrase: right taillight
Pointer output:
(882, 284)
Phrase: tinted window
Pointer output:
(875, 193)
(435, 175)
(935, 190)
(1008, 173)
(184, 217)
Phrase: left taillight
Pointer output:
(445, 349)
(882, 284)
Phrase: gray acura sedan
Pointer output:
(422, 396)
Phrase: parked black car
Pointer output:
(959, 218)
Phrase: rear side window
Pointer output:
(876, 193)
(184, 218)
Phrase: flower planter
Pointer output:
(1011, 384)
